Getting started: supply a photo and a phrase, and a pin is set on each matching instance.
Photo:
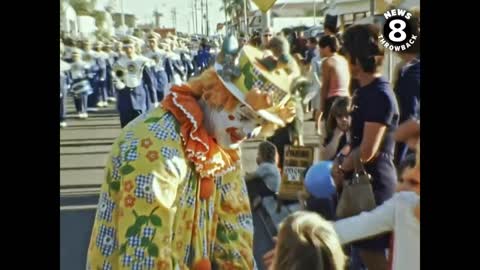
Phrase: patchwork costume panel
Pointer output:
(150, 215)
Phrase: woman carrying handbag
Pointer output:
(374, 119)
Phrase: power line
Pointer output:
(174, 17)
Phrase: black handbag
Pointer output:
(357, 194)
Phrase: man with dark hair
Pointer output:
(329, 41)
(332, 30)
(335, 76)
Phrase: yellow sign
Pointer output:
(264, 5)
(296, 163)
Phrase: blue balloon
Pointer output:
(319, 181)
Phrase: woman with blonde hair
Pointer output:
(306, 241)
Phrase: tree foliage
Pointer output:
(235, 10)
(84, 7)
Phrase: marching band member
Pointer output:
(174, 68)
(95, 74)
(117, 49)
(64, 80)
(112, 56)
(68, 48)
(133, 81)
(101, 83)
(80, 87)
(186, 60)
(158, 70)
(203, 56)
(152, 99)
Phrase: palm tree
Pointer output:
(234, 9)
(83, 7)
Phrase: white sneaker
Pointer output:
(105, 104)
(80, 115)
(111, 99)
(85, 115)
(63, 124)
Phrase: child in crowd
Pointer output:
(265, 181)
(405, 169)
(337, 128)
(306, 241)
(337, 137)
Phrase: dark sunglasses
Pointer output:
(267, 35)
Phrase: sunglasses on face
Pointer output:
(267, 35)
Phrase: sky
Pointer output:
(143, 9)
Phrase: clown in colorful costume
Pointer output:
(174, 197)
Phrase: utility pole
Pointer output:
(245, 16)
(157, 18)
(193, 16)
(123, 14)
(196, 16)
(206, 17)
(174, 17)
(225, 9)
(201, 15)
(266, 22)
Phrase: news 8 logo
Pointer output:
(397, 31)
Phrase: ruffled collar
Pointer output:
(209, 158)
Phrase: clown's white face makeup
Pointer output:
(230, 129)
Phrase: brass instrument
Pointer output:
(118, 76)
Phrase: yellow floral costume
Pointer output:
(150, 214)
